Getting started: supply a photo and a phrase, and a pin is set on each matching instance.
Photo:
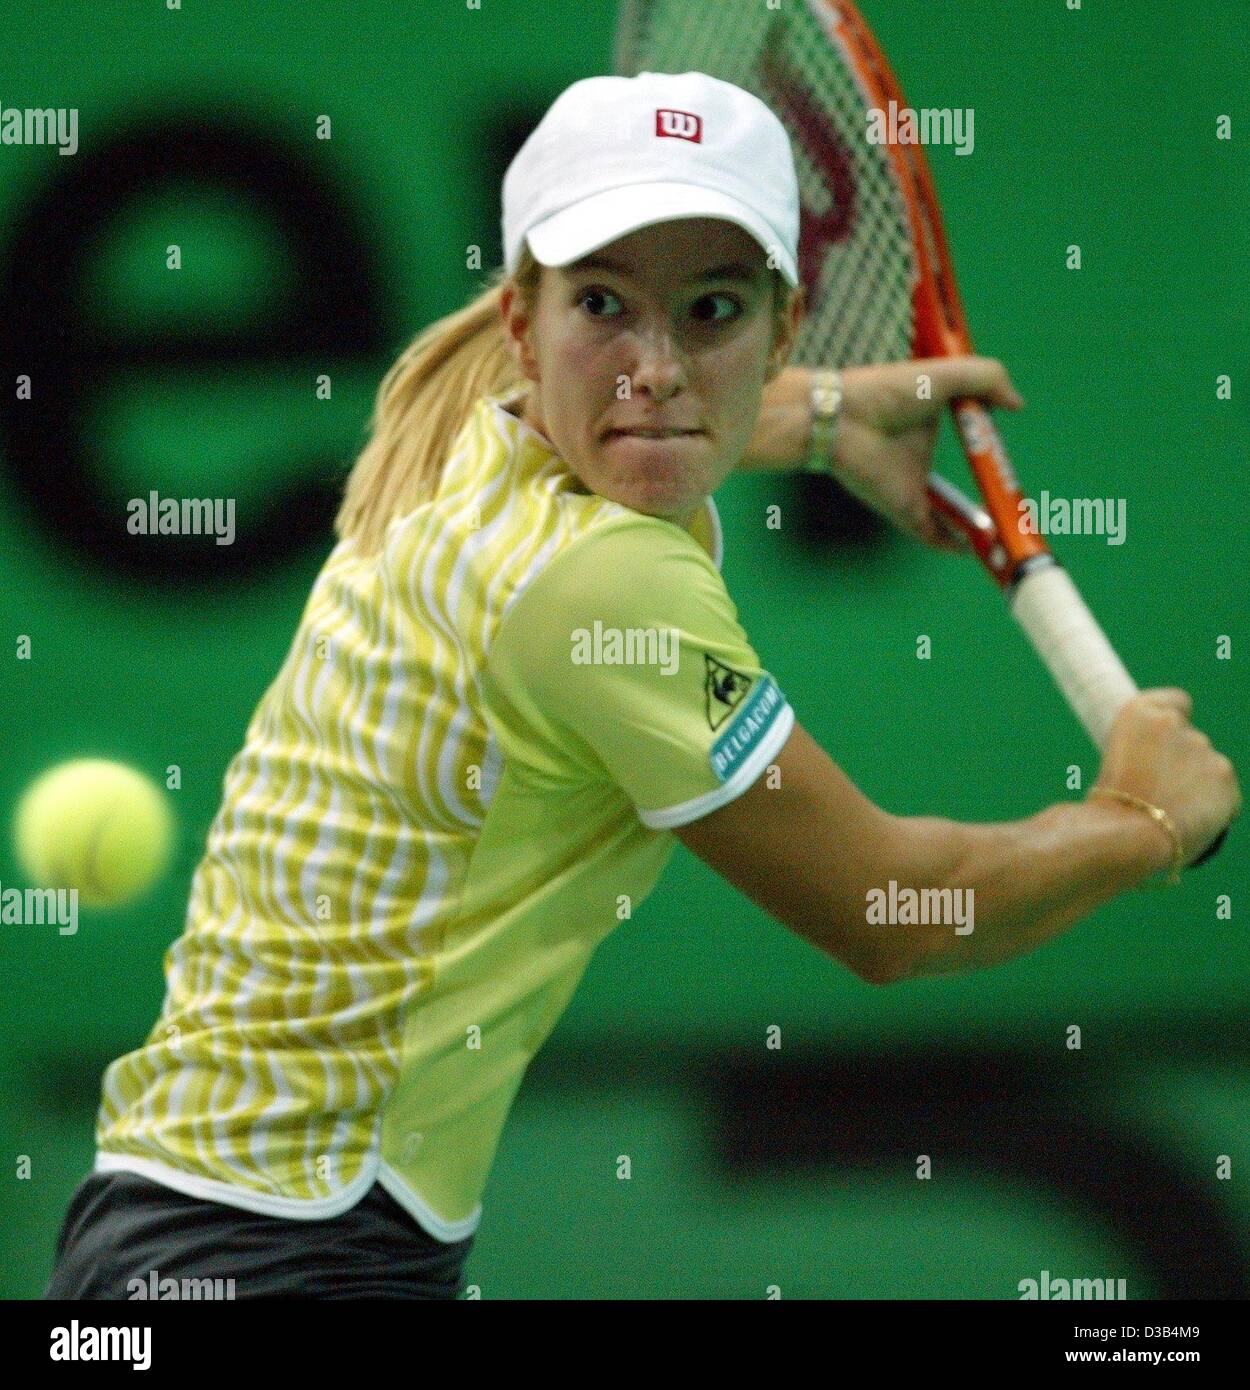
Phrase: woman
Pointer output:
(518, 672)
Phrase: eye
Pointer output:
(708, 301)
(595, 299)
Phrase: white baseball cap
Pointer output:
(614, 154)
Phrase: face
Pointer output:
(648, 359)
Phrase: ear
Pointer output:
(789, 321)
(516, 325)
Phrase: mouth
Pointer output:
(652, 434)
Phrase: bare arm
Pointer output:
(811, 848)
(887, 427)
(1030, 880)
(784, 424)
(886, 424)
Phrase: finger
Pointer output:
(1172, 697)
(950, 537)
(949, 532)
(983, 377)
(934, 530)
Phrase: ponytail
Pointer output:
(421, 405)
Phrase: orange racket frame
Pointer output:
(942, 331)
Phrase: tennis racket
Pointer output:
(880, 284)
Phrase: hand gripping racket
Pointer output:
(880, 284)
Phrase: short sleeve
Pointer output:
(624, 657)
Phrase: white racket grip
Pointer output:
(1073, 648)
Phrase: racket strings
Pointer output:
(856, 248)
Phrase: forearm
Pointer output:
(1030, 880)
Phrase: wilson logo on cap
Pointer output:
(680, 125)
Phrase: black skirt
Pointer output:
(126, 1237)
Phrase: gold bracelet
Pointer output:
(826, 405)
(1160, 817)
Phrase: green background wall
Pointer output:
(751, 1168)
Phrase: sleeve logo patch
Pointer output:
(724, 688)
(746, 730)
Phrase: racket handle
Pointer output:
(1076, 652)
(1073, 648)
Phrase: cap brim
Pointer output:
(594, 222)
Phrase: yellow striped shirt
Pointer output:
(463, 776)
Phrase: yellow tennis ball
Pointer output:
(96, 826)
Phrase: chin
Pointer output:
(654, 488)
(666, 503)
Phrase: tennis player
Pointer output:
(518, 681)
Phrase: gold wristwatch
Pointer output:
(826, 405)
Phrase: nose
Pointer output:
(659, 369)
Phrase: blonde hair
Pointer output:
(426, 396)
